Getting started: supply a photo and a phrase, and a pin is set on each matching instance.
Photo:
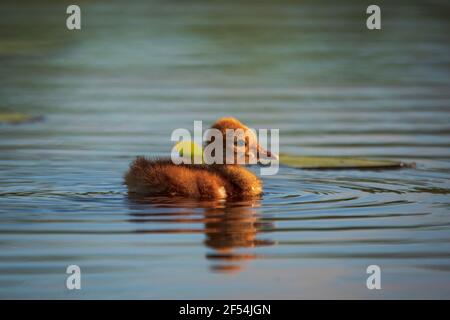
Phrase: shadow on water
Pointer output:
(229, 227)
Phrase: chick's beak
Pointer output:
(264, 154)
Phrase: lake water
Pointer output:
(118, 87)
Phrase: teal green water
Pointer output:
(137, 70)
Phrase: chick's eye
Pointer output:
(240, 143)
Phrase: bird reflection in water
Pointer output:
(229, 227)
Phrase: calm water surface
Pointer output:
(135, 72)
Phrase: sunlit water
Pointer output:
(117, 88)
